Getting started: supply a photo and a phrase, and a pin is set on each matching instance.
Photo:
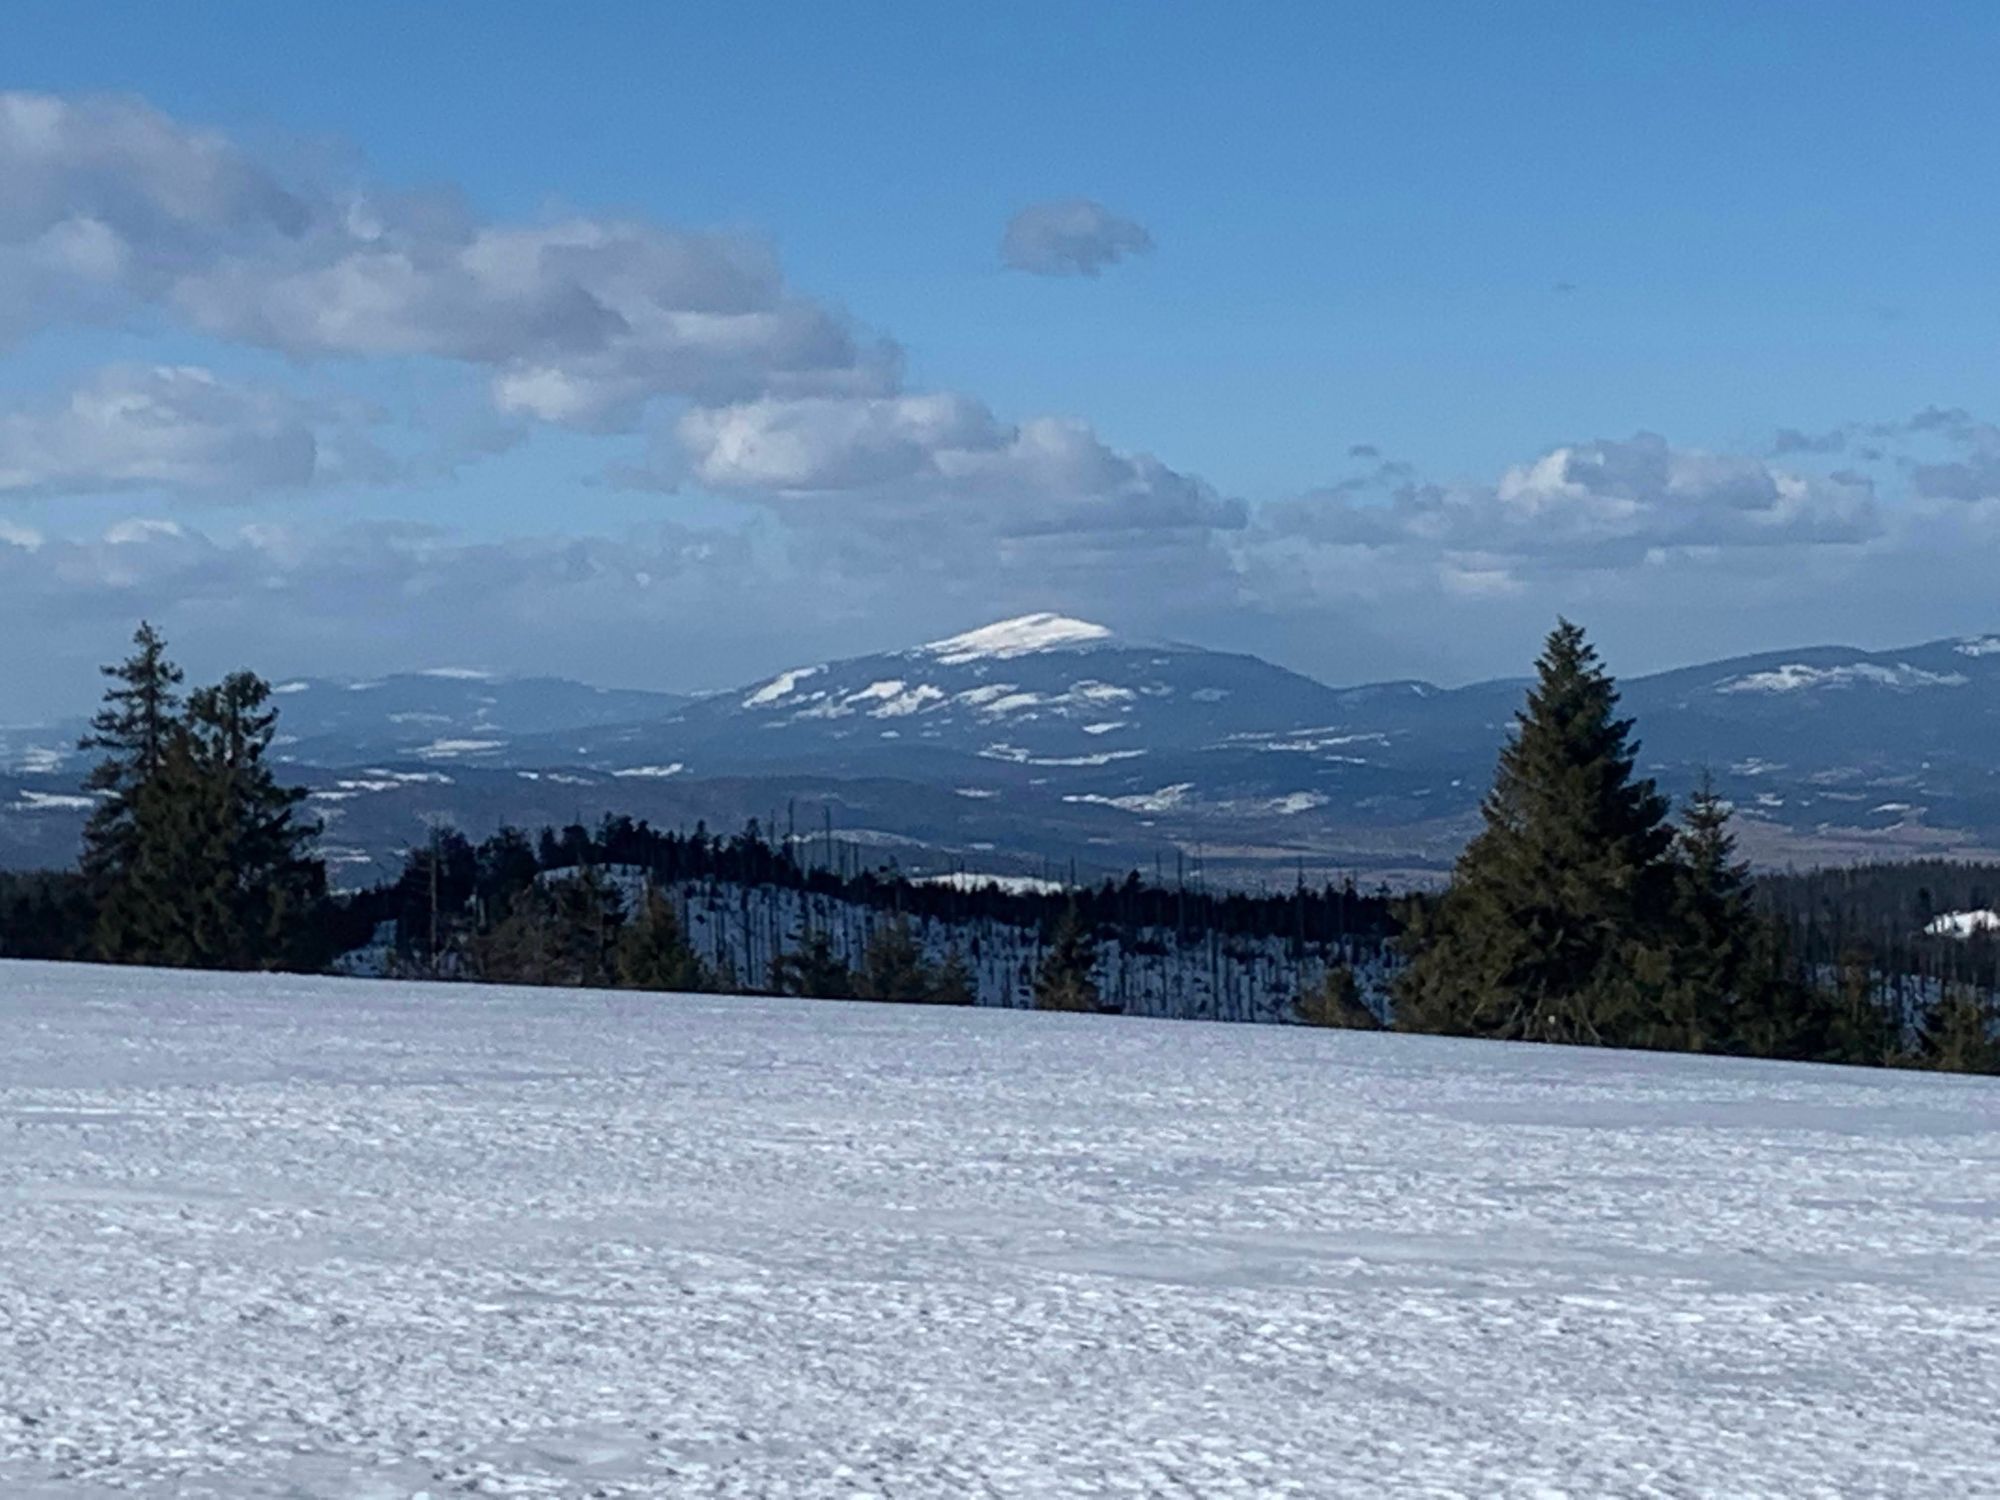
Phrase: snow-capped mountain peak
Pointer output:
(1021, 636)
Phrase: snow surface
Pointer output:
(320, 1238)
(1017, 637)
(1795, 677)
(780, 687)
(1963, 924)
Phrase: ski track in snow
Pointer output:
(265, 1236)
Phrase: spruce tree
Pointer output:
(270, 883)
(133, 729)
(1336, 1001)
(504, 866)
(1864, 1026)
(892, 965)
(563, 931)
(955, 983)
(207, 862)
(812, 970)
(1551, 926)
(1778, 1010)
(1067, 976)
(654, 954)
(1960, 1032)
(1712, 934)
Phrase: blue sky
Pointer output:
(1500, 247)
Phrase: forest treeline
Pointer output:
(1584, 911)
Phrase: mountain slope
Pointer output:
(1048, 739)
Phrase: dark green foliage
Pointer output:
(1862, 1028)
(133, 729)
(812, 970)
(1336, 1001)
(504, 866)
(560, 931)
(954, 982)
(1960, 1033)
(196, 856)
(1711, 936)
(46, 914)
(434, 896)
(1067, 977)
(654, 953)
(1778, 1010)
(1570, 918)
(892, 965)
(1552, 926)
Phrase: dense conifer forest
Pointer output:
(1585, 911)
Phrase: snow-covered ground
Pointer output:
(266, 1236)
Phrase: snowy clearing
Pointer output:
(320, 1238)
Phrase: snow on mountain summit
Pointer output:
(1021, 636)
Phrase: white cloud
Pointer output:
(1070, 237)
(174, 427)
(820, 445)
(1610, 504)
(946, 453)
(112, 205)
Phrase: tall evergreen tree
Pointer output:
(217, 870)
(1713, 932)
(274, 882)
(505, 866)
(1067, 976)
(1550, 928)
(133, 730)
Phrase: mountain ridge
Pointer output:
(1049, 736)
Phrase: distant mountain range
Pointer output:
(1044, 741)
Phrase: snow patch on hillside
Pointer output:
(780, 687)
(1963, 924)
(1166, 799)
(1015, 885)
(446, 749)
(1021, 757)
(1017, 637)
(1794, 677)
(1293, 803)
(52, 802)
(40, 760)
(908, 701)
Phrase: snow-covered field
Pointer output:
(337, 1238)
